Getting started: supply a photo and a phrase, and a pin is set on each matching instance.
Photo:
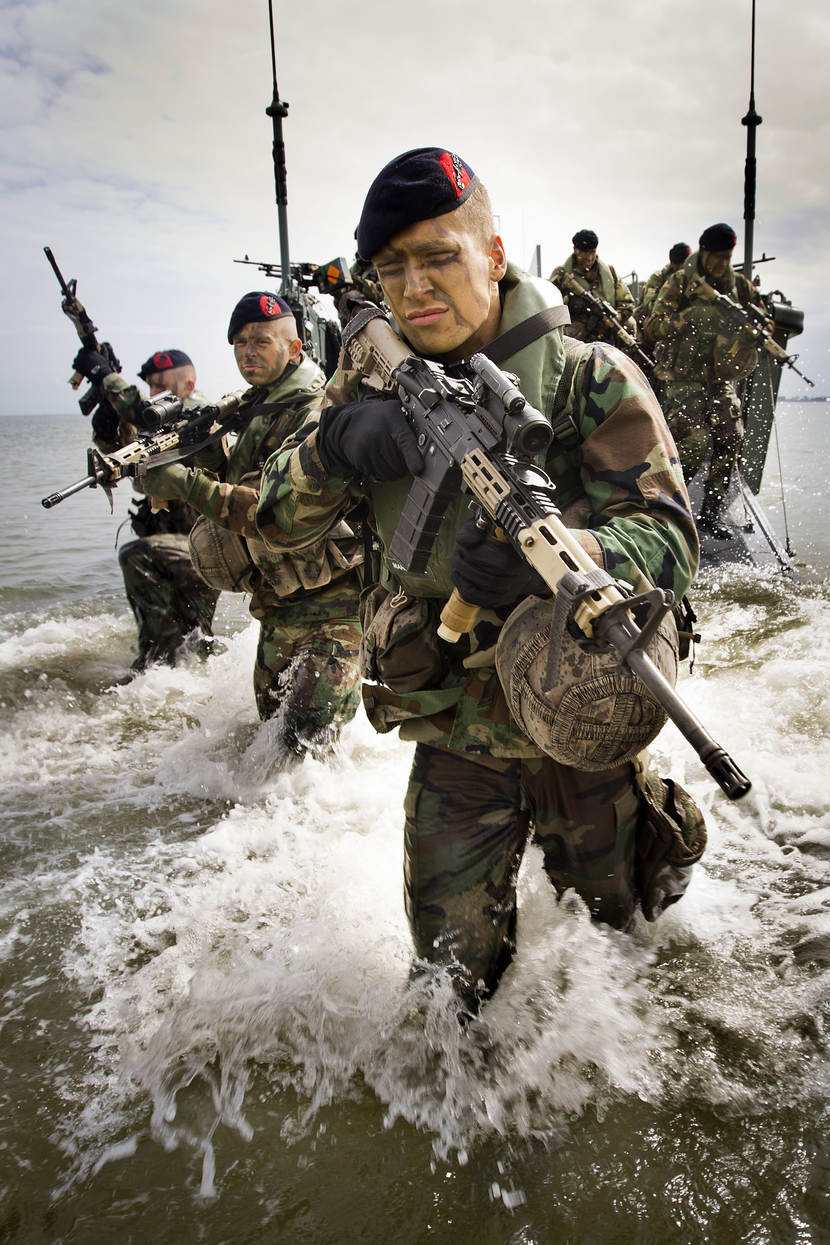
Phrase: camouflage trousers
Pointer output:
(307, 673)
(168, 598)
(620, 838)
(705, 419)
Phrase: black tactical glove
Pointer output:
(370, 440)
(92, 365)
(491, 572)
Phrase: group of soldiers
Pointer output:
(699, 355)
(299, 510)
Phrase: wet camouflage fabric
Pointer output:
(700, 354)
(308, 606)
(464, 842)
(478, 783)
(695, 339)
(705, 420)
(619, 484)
(603, 282)
(307, 672)
(167, 597)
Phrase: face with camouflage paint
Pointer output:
(263, 350)
(715, 264)
(178, 380)
(584, 260)
(440, 278)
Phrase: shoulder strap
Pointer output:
(521, 335)
(565, 431)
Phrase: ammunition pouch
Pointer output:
(400, 646)
(671, 837)
(233, 563)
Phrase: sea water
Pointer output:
(206, 1028)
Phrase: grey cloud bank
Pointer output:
(136, 145)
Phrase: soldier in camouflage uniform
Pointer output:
(602, 281)
(700, 357)
(678, 255)
(306, 670)
(169, 600)
(478, 784)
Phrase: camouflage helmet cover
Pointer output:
(598, 715)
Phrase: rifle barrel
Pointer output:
(88, 482)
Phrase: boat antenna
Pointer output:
(751, 121)
(276, 110)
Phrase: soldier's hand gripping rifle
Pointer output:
(479, 433)
(86, 331)
(749, 319)
(610, 318)
(178, 436)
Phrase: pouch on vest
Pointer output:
(221, 557)
(399, 646)
(671, 837)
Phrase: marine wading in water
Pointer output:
(623, 838)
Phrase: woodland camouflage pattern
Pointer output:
(307, 603)
(619, 478)
(603, 282)
(168, 598)
(478, 783)
(700, 356)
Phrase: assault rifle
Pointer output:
(478, 433)
(178, 436)
(86, 331)
(750, 318)
(610, 319)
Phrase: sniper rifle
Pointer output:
(609, 317)
(178, 436)
(750, 319)
(477, 432)
(86, 331)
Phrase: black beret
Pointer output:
(585, 240)
(718, 238)
(679, 252)
(420, 184)
(162, 361)
(258, 305)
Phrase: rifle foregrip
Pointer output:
(457, 618)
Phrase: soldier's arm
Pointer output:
(638, 508)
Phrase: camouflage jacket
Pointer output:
(228, 496)
(602, 281)
(651, 289)
(618, 483)
(696, 340)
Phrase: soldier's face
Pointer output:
(174, 380)
(583, 260)
(440, 279)
(715, 263)
(263, 351)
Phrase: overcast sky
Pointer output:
(135, 144)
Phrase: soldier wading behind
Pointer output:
(306, 674)
(479, 785)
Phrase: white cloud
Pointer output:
(136, 144)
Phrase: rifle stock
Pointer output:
(478, 433)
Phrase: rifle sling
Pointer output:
(521, 335)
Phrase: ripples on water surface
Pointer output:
(206, 1028)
